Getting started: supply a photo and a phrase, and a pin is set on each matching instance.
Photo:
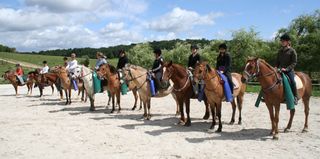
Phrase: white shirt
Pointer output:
(72, 65)
(44, 70)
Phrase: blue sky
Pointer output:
(33, 25)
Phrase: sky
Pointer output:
(34, 25)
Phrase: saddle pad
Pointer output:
(235, 83)
(299, 83)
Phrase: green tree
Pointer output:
(142, 55)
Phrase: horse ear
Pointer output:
(170, 63)
(208, 68)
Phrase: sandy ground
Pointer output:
(31, 127)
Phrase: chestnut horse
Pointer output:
(273, 91)
(53, 78)
(215, 93)
(36, 77)
(10, 75)
(182, 88)
(62, 73)
(109, 73)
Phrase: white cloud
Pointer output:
(19, 20)
(181, 20)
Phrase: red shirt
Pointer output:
(19, 71)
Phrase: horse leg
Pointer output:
(187, 102)
(67, 97)
(212, 107)
(239, 103)
(270, 109)
(149, 112)
(92, 108)
(82, 94)
(207, 114)
(109, 101)
(145, 109)
(135, 94)
(118, 101)
(276, 120)
(52, 88)
(140, 102)
(70, 95)
(40, 90)
(292, 112)
(234, 106)
(219, 116)
(306, 112)
(16, 89)
(61, 94)
(113, 107)
(182, 118)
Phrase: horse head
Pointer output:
(168, 70)
(200, 71)
(251, 69)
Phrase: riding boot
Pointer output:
(293, 86)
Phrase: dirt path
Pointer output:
(31, 127)
(24, 64)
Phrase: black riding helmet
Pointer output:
(285, 37)
(157, 51)
(194, 46)
(223, 46)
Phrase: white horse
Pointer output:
(86, 75)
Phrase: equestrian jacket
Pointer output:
(287, 58)
(122, 62)
(224, 62)
(157, 65)
(193, 59)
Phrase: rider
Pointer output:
(286, 61)
(194, 58)
(72, 64)
(19, 73)
(65, 60)
(45, 68)
(101, 59)
(224, 64)
(123, 59)
(157, 68)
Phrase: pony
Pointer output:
(182, 88)
(12, 78)
(109, 73)
(215, 93)
(40, 81)
(137, 76)
(273, 91)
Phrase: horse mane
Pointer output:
(266, 63)
(181, 70)
(113, 69)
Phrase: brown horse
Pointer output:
(182, 88)
(62, 73)
(10, 75)
(53, 78)
(110, 74)
(39, 81)
(215, 92)
(273, 91)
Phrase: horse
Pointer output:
(215, 93)
(109, 73)
(137, 76)
(40, 81)
(10, 75)
(182, 88)
(273, 91)
(53, 78)
(62, 73)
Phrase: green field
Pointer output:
(37, 59)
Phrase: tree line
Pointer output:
(304, 31)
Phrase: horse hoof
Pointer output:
(286, 130)
(219, 130)
(275, 137)
(305, 130)
(239, 122)
(206, 117)
(187, 124)
(231, 122)
(133, 108)
(92, 109)
(181, 123)
(112, 111)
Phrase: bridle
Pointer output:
(258, 74)
(206, 75)
(134, 78)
